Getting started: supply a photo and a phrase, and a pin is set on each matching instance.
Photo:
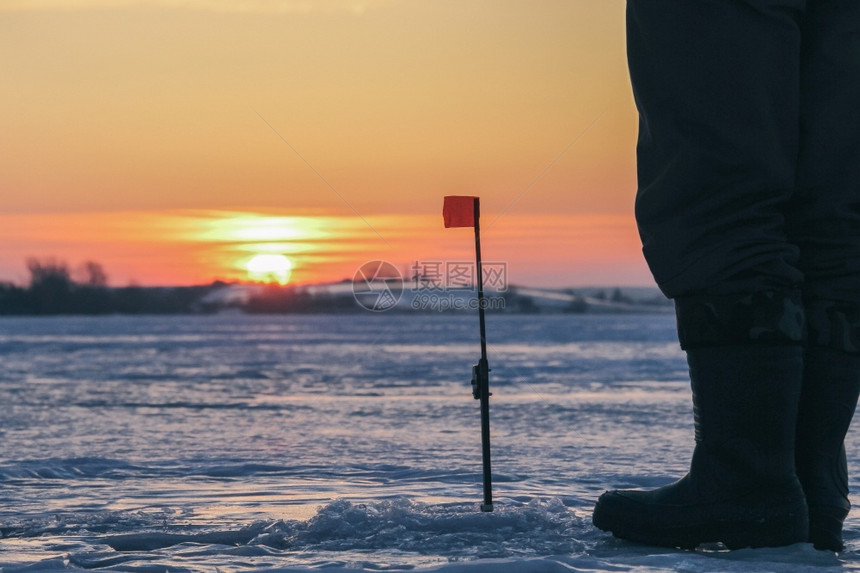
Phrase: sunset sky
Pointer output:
(174, 140)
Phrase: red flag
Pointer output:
(459, 211)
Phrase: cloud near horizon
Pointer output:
(356, 7)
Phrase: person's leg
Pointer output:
(716, 83)
(831, 385)
(717, 86)
(825, 224)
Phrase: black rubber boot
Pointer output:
(742, 489)
(830, 389)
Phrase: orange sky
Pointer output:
(155, 136)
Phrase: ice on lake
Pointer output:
(343, 442)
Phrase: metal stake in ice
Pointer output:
(460, 211)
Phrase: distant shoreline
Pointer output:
(64, 297)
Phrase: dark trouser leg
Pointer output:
(825, 223)
(716, 83)
(824, 220)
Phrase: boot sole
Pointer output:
(734, 535)
(781, 526)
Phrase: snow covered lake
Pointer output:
(352, 442)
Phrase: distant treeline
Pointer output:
(277, 299)
(54, 289)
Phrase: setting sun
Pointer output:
(269, 268)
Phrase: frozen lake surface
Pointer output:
(344, 442)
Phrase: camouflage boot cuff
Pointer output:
(766, 317)
(834, 324)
